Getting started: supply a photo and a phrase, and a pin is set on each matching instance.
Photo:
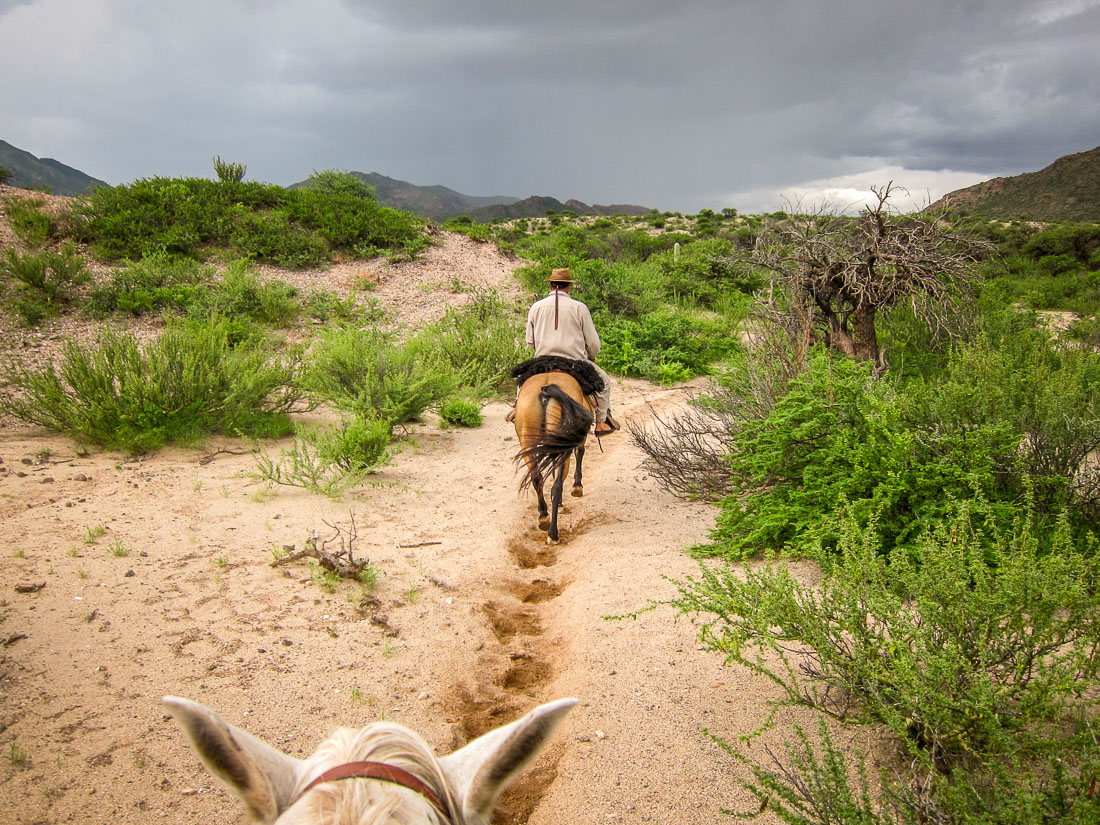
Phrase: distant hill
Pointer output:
(1067, 190)
(29, 172)
(435, 202)
(440, 203)
(538, 205)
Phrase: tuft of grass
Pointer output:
(93, 534)
(368, 578)
(17, 757)
(118, 549)
(327, 580)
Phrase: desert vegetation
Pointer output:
(886, 400)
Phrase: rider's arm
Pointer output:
(591, 337)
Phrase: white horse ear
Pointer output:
(480, 771)
(263, 777)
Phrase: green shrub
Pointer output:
(27, 220)
(471, 229)
(1008, 416)
(190, 217)
(155, 282)
(977, 649)
(329, 460)
(1046, 395)
(272, 236)
(183, 385)
(228, 172)
(343, 210)
(363, 372)
(46, 280)
(658, 345)
(477, 344)
(241, 293)
(328, 306)
(460, 413)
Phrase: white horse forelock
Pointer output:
(369, 801)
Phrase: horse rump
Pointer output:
(553, 445)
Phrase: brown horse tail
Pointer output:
(553, 446)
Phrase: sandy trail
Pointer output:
(157, 579)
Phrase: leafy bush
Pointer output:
(241, 293)
(189, 217)
(977, 650)
(658, 346)
(477, 344)
(46, 280)
(705, 272)
(155, 282)
(27, 220)
(1005, 419)
(331, 460)
(326, 306)
(363, 372)
(460, 413)
(471, 229)
(1047, 396)
(188, 382)
(228, 172)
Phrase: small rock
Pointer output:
(600, 735)
(128, 574)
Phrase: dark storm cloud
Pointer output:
(669, 104)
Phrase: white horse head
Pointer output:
(393, 776)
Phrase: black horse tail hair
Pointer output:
(554, 445)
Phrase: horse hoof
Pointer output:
(578, 492)
(553, 542)
(544, 523)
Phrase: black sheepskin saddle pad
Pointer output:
(586, 375)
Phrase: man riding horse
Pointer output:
(561, 326)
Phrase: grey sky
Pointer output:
(672, 104)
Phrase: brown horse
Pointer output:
(553, 417)
(383, 774)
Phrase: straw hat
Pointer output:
(561, 276)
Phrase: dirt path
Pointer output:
(156, 578)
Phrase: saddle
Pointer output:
(583, 371)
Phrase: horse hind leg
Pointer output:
(544, 512)
(552, 536)
(578, 487)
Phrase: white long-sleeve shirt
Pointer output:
(575, 336)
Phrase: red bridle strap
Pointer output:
(382, 771)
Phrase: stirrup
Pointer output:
(610, 422)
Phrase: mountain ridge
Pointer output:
(31, 172)
(1066, 190)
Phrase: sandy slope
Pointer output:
(474, 619)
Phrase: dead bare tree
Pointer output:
(687, 453)
(851, 269)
